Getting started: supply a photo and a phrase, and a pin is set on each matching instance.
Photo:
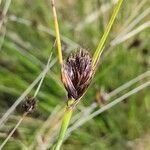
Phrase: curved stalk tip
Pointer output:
(57, 33)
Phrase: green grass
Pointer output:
(25, 49)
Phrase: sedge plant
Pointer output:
(78, 70)
(28, 106)
(30, 103)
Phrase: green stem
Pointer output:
(64, 125)
(100, 48)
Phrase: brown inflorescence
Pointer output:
(29, 104)
(77, 73)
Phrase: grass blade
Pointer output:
(99, 49)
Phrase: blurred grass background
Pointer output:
(26, 38)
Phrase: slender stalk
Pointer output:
(64, 125)
(14, 129)
(44, 74)
(57, 33)
(100, 47)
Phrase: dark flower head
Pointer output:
(29, 104)
(77, 73)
